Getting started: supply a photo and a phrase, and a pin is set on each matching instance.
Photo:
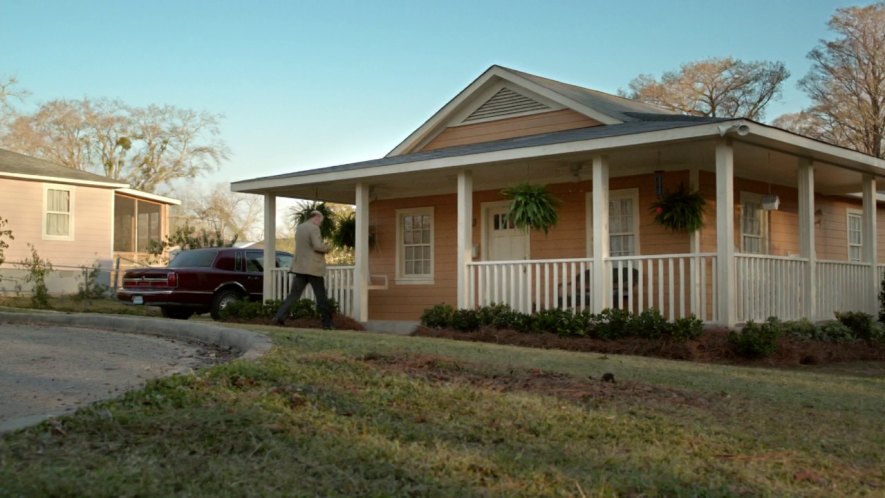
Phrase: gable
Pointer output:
(506, 102)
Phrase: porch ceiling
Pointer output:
(753, 160)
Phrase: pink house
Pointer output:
(73, 219)
(791, 228)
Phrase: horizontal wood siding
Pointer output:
(21, 203)
(534, 124)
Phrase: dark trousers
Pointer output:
(319, 290)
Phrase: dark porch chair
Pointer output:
(566, 294)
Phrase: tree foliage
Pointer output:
(716, 87)
(5, 233)
(846, 83)
(146, 147)
(187, 237)
(219, 210)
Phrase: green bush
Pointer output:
(465, 320)
(89, 288)
(834, 331)
(611, 324)
(688, 328)
(802, 329)
(244, 310)
(556, 320)
(500, 316)
(756, 340)
(38, 269)
(438, 317)
(649, 324)
(860, 323)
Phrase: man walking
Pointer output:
(308, 266)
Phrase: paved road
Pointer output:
(54, 364)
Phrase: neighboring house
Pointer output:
(74, 219)
(435, 209)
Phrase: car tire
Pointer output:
(176, 312)
(221, 300)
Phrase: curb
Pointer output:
(245, 344)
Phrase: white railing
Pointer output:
(769, 286)
(528, 286)
(676, 284)
(843, 286)
(339, 286)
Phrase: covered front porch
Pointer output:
(799, 273)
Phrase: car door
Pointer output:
(254, 273)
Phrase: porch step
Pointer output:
(398, 327)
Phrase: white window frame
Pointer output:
(71, 192)
(854, 213)
(631, 194)
(765, 237)
(401, 277)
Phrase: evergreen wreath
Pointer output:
(680, 210)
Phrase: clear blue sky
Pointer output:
(304, 84)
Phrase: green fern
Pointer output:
(532, 207)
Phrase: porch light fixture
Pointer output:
(659, 183)
(770, 202)
(739, 129)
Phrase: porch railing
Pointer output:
(339, 286)
(770, 286)
(842, 285)
(675, 284)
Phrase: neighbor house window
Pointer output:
(623, 222)
(58, 217)
(137, 224)
(855, 235)
(754, 224)
(414, 236)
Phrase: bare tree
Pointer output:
(714, 87)
(8, 92)
(146, 147)
(222, 211)
(846, 82)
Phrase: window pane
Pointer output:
(57, 224)
(124, 222)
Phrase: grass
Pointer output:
(355, 414)
(77, 305)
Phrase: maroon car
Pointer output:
(200, 281)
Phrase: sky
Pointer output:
(306, 84)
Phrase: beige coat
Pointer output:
(310, 250)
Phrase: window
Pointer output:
(58, 218)
(623, 222)
(136, 224)
(855, 235)
(754, 224)
(415, 245)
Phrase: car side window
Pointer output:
(254, 261)
(284, 260)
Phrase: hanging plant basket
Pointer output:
(680, 210)
(532, 207)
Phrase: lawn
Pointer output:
(357, 414)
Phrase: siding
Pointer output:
(21, 203)
(534, 124)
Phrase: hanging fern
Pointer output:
(301, 213)
(344, 235)
(532, 207)
(680, 210)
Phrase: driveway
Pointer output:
(53, 364)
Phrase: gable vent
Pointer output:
(505, 103)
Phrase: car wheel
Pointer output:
(221, 300)
(176, 312)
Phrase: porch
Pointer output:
(677, 285)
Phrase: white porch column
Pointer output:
(725, 264)
(806, 236)
(602, 281)
(361, 255)
(465, 236)
(870, 246)
(270, 246)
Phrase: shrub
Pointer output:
(834, 331)
(556, 320)
(860, 323)
(245, 310)
(438, 317)
(649, 324)
(688, 328)
(465, 320)
(500, 316)
(611, 324)
(756, 340)
(801, 329)
(37, 270)
(89, 288)
(7, 234)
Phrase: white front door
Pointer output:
(504, 242)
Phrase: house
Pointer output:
(791, 229)
(73, 219)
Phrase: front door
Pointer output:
(504, 242)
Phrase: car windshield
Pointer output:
(193, 259)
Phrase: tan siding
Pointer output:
(565, 119)
(21, 203)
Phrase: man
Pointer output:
(309, 266)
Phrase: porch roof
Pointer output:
(335, 183)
